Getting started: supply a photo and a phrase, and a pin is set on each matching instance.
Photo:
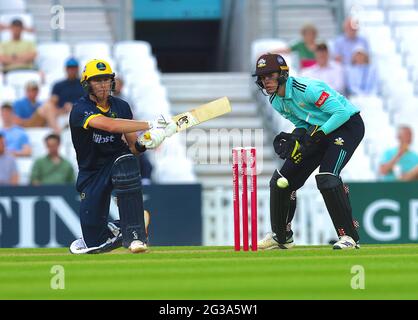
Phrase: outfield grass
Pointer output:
(315, 272)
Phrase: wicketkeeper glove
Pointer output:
(296, 146)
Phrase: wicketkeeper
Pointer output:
(328, 129)
(107, 163)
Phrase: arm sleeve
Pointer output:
(328, 103)
(129, 114)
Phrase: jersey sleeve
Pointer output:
(327, 102)
(81, 116)
(128, 112)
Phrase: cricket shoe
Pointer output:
(346, 242)
(79, 246)
(137, 246)
(270, 242)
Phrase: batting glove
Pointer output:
(169, 126)
(152, 138)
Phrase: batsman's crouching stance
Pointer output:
(328, 130)
(108, 164)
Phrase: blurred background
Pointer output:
(172, 55)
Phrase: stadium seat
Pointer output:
(399, 4)
(51, 58)
(15, 6)
(36, 138)
(18, 79)
(24, 168)
(8, 94)
(371, 18)
(92, 50)
(136, 49)
(403, 17)
(44, 92)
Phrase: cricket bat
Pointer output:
(200, 114)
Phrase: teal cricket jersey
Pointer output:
(312, 102)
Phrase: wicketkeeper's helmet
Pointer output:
(269, 63)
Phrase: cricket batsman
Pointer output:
(107, 163)
(328, 129)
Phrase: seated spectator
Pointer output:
(305, 48)
(52, 169)
(30, 113)
(8, 172)
(24, 108)
(361, 76)
(17, 54)
(66, 92)
(345, 44)
(398, 161)
(331, 72)
(17, 141)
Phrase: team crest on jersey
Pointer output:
(339, 141)
(261, 63)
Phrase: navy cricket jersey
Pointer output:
(97, 148)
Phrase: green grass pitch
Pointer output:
(315, 272)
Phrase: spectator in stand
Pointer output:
(17, 141)
(361, 75)
(305, 48)
(69, 90)
(17, 54)
(346, 43)
(26, 107)
(325, 69)
(398, 162)
(52, 169)
(8, 172)
(30, 113)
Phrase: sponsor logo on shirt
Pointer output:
(98, 138)
(324, 96)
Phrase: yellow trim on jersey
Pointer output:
(103, 109)
(86, 123)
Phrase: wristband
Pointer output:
(140, 147)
